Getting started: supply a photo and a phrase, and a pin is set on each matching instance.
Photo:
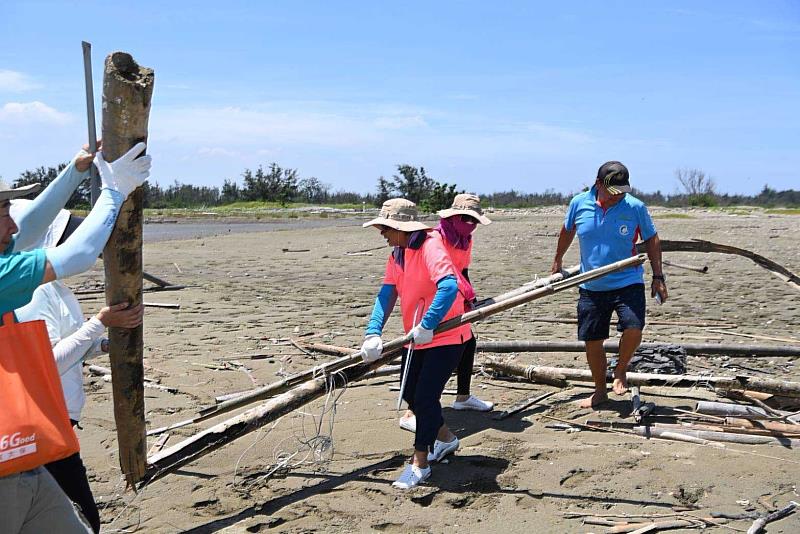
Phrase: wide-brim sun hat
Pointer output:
(466, 204)
(8, 193)
(400, 214)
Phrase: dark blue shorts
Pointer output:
(595, 307)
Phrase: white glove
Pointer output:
(372, 348)
(125, 174)
(422, 336)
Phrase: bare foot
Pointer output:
(620, 385)
(595, 400)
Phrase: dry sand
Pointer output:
(516, 475)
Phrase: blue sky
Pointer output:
(522, 95)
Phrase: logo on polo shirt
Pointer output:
(623, 229)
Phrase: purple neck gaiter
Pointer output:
(457, 232)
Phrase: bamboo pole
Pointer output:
(540, 374)
(394, 346)
(695, 349)
(703, 269)
(303, 388)
(726, 437)
(127, 92)
(727, 409)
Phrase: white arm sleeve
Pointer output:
(72, 349)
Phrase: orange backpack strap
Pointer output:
(8, 318)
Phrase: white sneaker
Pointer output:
(442, 449)
(411, 477)
(409, 423)
(473, 403)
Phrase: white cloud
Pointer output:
(217, 152)
(32, 112)
(16, 82)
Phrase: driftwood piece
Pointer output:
(668, 524)
(541, 374)
(698, 324)
(522, 405)
(727, 409)
(127, 91)
(695, 349)
(755, 336)
(708, 435)
(759, 524)
(303, 388)
(772, 426)
(703, 269)
(699, 245)
(394, 346)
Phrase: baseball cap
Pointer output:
(614, 176)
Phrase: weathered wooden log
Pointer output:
(727, 409)
(667, 524)
(703, 269)
(394, 346)
(313, 383)
(695, 349)
(706, 435)
(761, 424)
(699, 245)
(759, 524)
(540, 374)
(127, 91)
(698, 324)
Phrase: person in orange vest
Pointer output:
(420, 272)
(456, 226)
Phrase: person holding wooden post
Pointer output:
(74, 340)
(609, 221)
(456, 226)
(30, 500)
(420, 272)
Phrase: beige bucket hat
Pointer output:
(7, 192)
(466, 204)
(400, 214)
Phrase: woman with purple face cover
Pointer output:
(456, 226)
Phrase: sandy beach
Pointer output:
(246, 295)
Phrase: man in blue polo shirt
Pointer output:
(609, 221)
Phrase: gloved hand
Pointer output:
(422, 336)
(125, 174)
(372, 348)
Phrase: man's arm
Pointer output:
(565, 238)
(653, 248)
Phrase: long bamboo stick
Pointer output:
(127, 92)
(349, 368)
(695, 349)
(394, 346)
(537, 374)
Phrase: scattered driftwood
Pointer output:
(703, 269)
(707, 435)
(127, 92)
(699, 324)
(668, 524)
(699, 245)
(162, 305)
(394, 346)
(149, 277)
(755, 336)
(159, 444)
(327, 349)
(296, 250)
(759, 524)
(302, 388)
(559, 375)
(522, 405)
(695, 349)
(772, 426)
(727, 409)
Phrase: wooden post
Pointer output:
(127, 91)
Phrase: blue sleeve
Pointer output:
(20, 275)
(446, 293)
(34, 221)
(79, 252)
(646, 226)
(569, 219)
(384, 304)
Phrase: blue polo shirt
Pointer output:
(609, 235)
(20, 275)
